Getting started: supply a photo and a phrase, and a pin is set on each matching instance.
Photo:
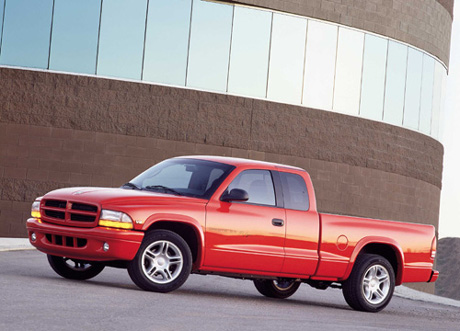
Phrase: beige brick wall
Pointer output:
(425, 24)
(61, 130)
(37, 159)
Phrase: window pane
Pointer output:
(439, 74)
(287, 58)
(122, 38)
(74, 38)
(295, 191)
(209, 45)
(258, 184)
(426, 100)
(26, 33)
(166, 46)
(249, 52)
(373, 83)
(395, 83)
(320, 65)
(348, 71)
(1, 19)
(413, 85)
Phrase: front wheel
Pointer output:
(279, 289)
(74, 269)
(371, 283)
(163, 262)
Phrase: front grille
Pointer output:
(55, 214)
(65, 241)
(56, 203)
(69, 213)
(82, 218)
(84, 207)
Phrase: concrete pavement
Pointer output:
(15, 244)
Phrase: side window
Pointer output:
(258, 184)
(294, 191)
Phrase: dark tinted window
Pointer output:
(189, 177)
(258, 184)
(294, 191)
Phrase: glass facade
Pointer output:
(210, 38)
(26, 33)
(230, 49)
(413, 89)
(320, 65)
(287, 56)
(166, 41)
(121, 38)
(395, 86)
(249, 53)
(373, 81)
(74, 36)
(348, 70)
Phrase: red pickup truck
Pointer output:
(231, 217)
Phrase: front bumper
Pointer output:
(84, 243)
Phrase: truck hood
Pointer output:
(117, 196)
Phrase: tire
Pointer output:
(74, 269)
(279, 289)
(370, 285)
(163, 262)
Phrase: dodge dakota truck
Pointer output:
(230, 217)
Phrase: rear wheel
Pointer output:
(279, 289)
(163, 262)
(74, 269)
(371, 283)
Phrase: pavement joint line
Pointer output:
(19, 244)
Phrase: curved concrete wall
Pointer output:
(61, 130)
(425, 24)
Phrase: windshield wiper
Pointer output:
(131, 185)
(164, 188)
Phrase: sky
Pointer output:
(449, 221)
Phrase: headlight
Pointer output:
(115, 219)
(35, 212)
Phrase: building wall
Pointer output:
(64, 130)
(60, 130)
(425, 24)
(231, 49)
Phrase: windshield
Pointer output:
(188, 177)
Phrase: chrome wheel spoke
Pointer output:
(375, 284)
(150, 255)
(379, 294)
(368, 294)
(162, 262)
(175, 260)
(164, 248)
(151, 270)
(372, 272)
(383, 278)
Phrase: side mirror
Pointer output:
(235, 195)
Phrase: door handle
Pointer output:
(277, 222)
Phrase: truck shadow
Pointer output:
(227, 295)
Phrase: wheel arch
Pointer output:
(189, 229)
(385, 247)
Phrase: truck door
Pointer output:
(302, 227)
(246, 235)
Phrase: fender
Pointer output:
(378, 240)
(170, 217)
